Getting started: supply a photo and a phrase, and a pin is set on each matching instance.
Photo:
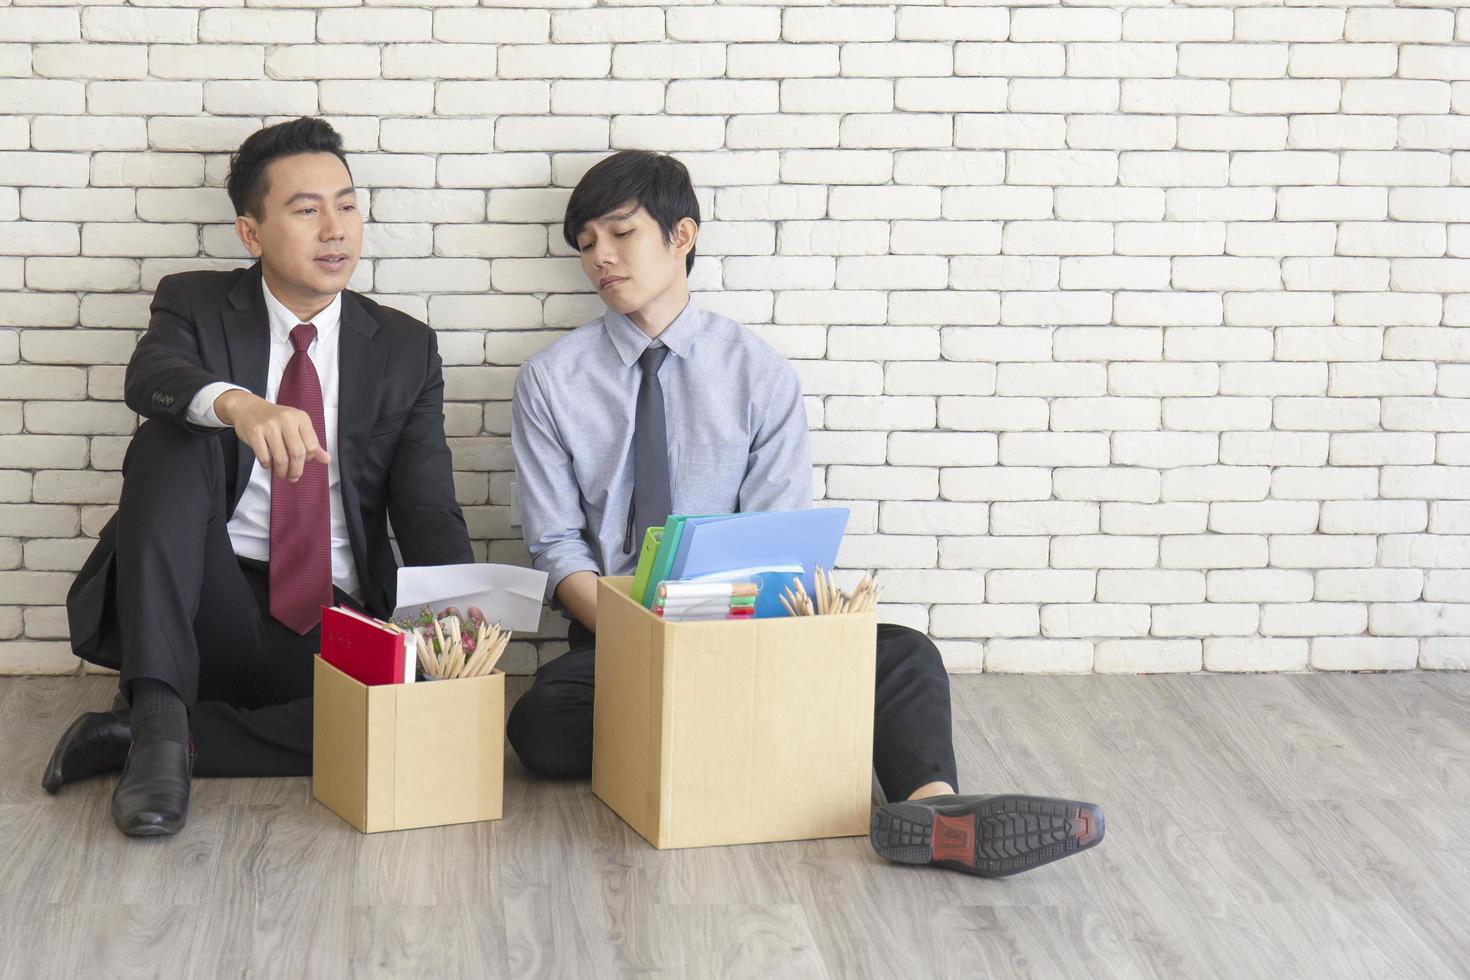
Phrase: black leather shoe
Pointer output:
(990, 836)
(152, 797)
(96, 742)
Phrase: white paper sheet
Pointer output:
(507, 594)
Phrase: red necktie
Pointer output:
(301, 516)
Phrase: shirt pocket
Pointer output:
(709, 476)
(729, 452)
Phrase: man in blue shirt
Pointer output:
(660, 407)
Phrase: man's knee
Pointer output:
(159, 442)
(549, 736)
(906, 640)
(167, 465)
(902, 646)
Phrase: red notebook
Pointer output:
(361, 647)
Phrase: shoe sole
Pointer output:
(151, 830)
(992, 838)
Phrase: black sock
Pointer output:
(158, 712)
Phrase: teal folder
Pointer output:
(664, 558)
(667, 546)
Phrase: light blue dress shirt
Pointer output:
(736, 428)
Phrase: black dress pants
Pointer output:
(550, 727)
(186, 611)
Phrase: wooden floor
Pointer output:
(1258, 826)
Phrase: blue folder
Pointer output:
(681, 552)
(807, 538)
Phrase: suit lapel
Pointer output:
(248, 339)
(360, 364)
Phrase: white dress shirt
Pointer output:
(250, 528)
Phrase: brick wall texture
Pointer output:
(1134, 336)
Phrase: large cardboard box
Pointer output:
(732, 732)
(396, 756)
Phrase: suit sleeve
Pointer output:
(426, 517)
(778, 475)
(165, 372)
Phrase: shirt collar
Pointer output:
(283, 321)
(630, 341)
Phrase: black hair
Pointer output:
(247, 184)
(656, 181)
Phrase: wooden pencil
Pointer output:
(497, 651)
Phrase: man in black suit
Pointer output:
(288, 419)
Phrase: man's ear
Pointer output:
(247, 228)
(685, 232)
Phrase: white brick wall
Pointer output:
(1134, 336)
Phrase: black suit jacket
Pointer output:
(394, 461)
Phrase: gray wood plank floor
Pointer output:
(1258, 826)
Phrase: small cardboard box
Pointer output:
(732, 732)
(396, 756)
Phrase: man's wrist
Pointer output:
(225, 404)
(200, 409)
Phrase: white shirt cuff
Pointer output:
(201, 406)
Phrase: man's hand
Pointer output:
(476, 616)
(281, 437)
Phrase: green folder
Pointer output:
(651, 538)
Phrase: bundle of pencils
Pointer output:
(830, 600)
(450, 647)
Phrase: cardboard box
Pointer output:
(396, 756)
(733, 732)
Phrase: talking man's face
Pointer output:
(308, 236)
(627, 260)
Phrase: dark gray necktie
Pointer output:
(652, 496)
